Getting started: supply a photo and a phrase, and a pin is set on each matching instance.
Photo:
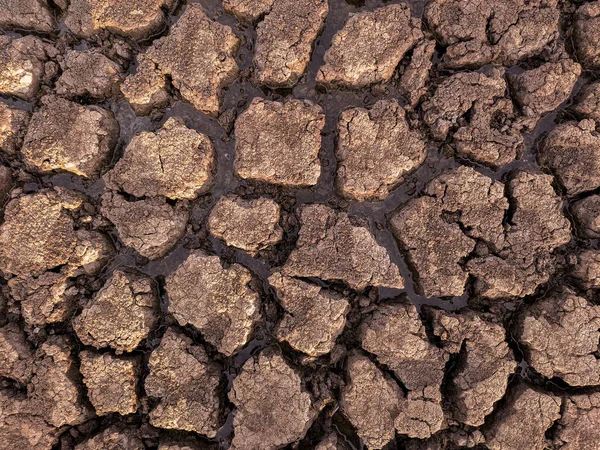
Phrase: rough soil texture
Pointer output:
(299, 224)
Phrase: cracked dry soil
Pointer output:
(299, 224)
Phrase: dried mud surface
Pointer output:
(299, 224)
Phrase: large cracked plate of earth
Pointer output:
(299, 224)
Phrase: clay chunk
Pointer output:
(587, 269)
(272, 407)
(145, 90)
(121, 315)
(111, 382)
(376, 151)
(395, 334)
(219, 302)
(152, 227)
(186, 382)
(331, 248)
(137, 19)
(560, 335)
(279, 143)
(198, 56)
(456, 95)
(587, 102)
(369, 47)
(371, 401)
(67, 136)
(114, 438)
(88, 74)
(587, 214)
(16, 355)
(248, 11)
(522, 422)
(572, 152)
(13, 126)
(578, 425)
(586, 34)
(27, 14)
(284, 40)
(483, 366)
(175, 162)
(414, 81)
(313, 317)
(22, 65)
(440, 228)
(249, 225)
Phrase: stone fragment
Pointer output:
(560, 337)
(587, 215)
(186, 382)
(541, 90)
(22, 64)
(67, 136)
(16, 356)
(249, 225)
(27, 14)
(13, 126)
(522, 422)
(198, 56)
(114, 438)
(572, 152)
(151, 226)
(586, 34)
(248, 11)
(587, 102)
(369, 47)
(376, 151)
(138, 19)
(219, 302)
(88, 74)
(273, 409)
(174, 161)
(458, 94)
(313, 317)
(414, 81)
(492, 137)
(279, 142)
(330, 247)
(395, 334)
(121, 315)
(111, 382)
(536, 228)
(371, 401)
(578, 425)
(483, 365)
(440, 228)
(145, 90)
(476, 32)
(587, 269)
(284, 40)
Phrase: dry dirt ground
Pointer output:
(299, 224)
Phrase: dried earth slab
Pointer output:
(121, 315)
(22, 65)
(284, 40)
(415, 78)
(187, 384)
(273, 409)
(111, 382)
(137, 19)
(331, 248)
(313, 317)
(586, 34)
(248, 11)
(587, 102)
(587, 269)
(147, 89)
(116, 437)
(67, 136)
(219, 302)
(151, 226)
(89, 75)
(560, 336)
(376, 151)
(279, 142)
(16, 354)
(250, 225)
(13, 126)
(395, 334)
(198, 56)
(440, 229)
(369, 47)
(175, 162)
(578, 424)
(572, 152)
(27, 14)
